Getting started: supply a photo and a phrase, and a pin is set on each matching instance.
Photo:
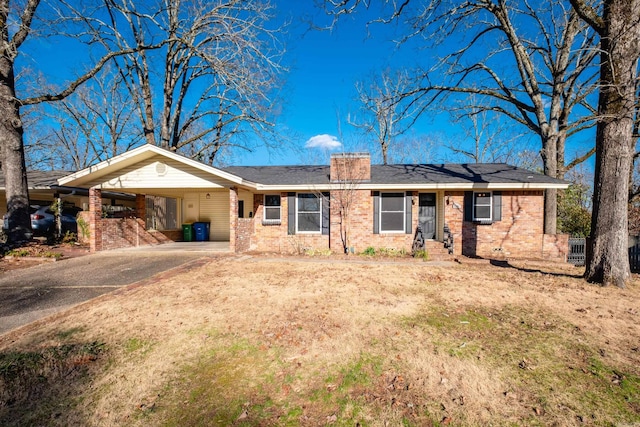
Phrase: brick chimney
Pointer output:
(350, 167)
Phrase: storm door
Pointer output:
(427, 215)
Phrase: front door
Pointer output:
(427, 215)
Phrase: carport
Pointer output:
(192, 192)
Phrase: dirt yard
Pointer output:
(312, 341)
(37, 252)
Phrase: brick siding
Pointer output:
(350, 167)
(243, 234)
(518, 235)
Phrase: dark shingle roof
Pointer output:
(282, 175)
(495, 173)
(40, 179)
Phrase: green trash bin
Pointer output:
(187, 232)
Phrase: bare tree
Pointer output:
(383, 114)
(214, 81)
(491, 139)
(618, 24)
(412, 148)
(347, 174)
(532, 63)
(95, 123)
(17, 20)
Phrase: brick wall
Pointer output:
(359, 222)
(168, 235)
(454, 217)
(95, 219)
(275, 237)
(83, 217)
(233, 218)
(518, 235)
(359, 226)
(555, 247)
(125, 232)
(114, 233)
(243, 234)
(350, 166)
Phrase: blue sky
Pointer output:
(319, 91)
(324, 67)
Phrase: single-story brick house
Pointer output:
(491, 210)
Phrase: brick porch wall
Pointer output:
(243, 234)
(115, 233)
(95, 219)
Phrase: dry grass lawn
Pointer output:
(312, 341)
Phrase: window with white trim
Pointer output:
(482, 206)
(392, 214)
(272, 209)
(308, 213)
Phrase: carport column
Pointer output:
(233, 218)
(95, 219)
(141, 206)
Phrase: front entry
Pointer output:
(427, 215)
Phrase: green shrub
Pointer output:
(369, 251)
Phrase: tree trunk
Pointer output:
(13, 161)
(550, 165)
(550, 211)
(608, 260)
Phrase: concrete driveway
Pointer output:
(33, 293)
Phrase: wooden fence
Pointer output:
(578, 252)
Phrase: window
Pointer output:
(162, 213)
(392, 212)
(271, 209)
(240, 208)
(309, 213)
(482, 206)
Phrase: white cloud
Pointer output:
(328, 142)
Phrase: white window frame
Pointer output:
(490, 194)
(381, 212)
(265, 208)
(319, 198)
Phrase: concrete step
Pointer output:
(437, 251)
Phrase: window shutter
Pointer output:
(468, 206)
(325, 213)
(376, 212)
(291, 213)
(407, 212)
(497, 205)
